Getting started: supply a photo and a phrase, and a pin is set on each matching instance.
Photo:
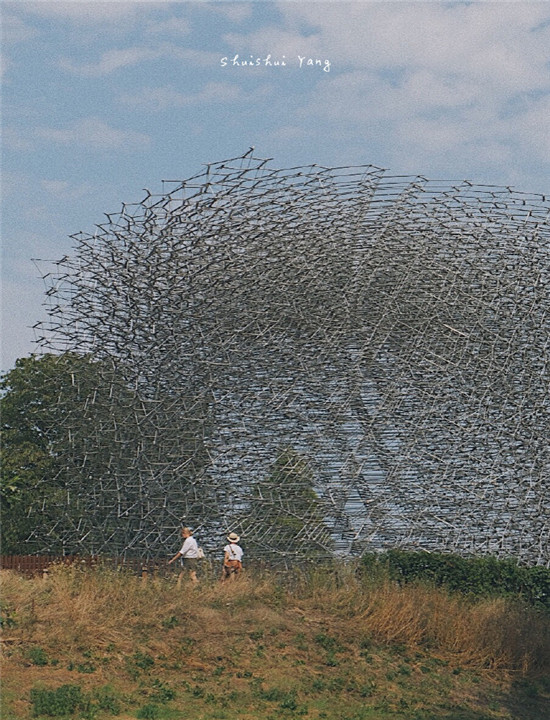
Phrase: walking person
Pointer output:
(189, 555)
(232, 559)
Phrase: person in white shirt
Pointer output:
(232, 560)
(189, 555)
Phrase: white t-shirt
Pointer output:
(189, 549)
(235, 551)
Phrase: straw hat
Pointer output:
(233, 538)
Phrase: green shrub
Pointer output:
(288, 702)
(330, 644)
(273, 694)
(107, 700)
(142, 660)
(37, 656)
(7, 619)
(170, 622)
(86, 667)
(485, 575)
(148, 712)
(137, 662)
(64, 700)
(162, 692)
(536, 586)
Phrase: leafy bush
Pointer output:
(37, 656)
(148, 712)
(107, 700)
(162, 692)
(138, 662)
(476, 575)
(64, 700)
(69, 699)
(86, 667)
(143, 660)
(7, 619)
(170, 622)
(329, 643)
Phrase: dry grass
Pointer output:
(75, 608)
(487, 632)
(322, 640)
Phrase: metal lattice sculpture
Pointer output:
(323, 359)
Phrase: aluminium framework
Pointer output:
(325, 360)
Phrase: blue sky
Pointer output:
(101, 100)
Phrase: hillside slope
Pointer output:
(100, 644)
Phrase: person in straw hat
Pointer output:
(232, 560)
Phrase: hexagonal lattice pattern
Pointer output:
(323, 359)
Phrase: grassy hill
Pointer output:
(97, 644)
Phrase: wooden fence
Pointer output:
(32, 565)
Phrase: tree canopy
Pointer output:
(75, 462)
(32, 473)
(284, 517)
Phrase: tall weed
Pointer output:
(101, 609)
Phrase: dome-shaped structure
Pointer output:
(322, 359)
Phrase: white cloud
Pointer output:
(234, 11)
(479, 39)
(161, 98)
(430, 123)
(171, 26)
(110, 61)
(504, 46)
(94, 133)
(430, 85)
(15, 30)
(274, 40)
(14, 183)
(14, 139)
(85, 12)
(532, 127)
(116, 59)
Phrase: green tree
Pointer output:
(89, 464)
(32, 476)
(50, 425)
(284, 517)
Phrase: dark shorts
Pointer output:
(189, 563)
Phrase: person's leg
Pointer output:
(190, 567)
